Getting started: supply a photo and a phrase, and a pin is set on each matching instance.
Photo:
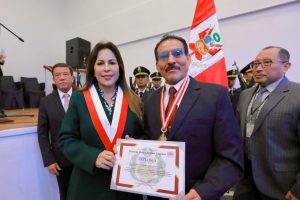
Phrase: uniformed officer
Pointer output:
(156, 80)
(141, 75)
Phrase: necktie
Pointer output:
(141, 94)
(172, 92)
(66, 101)
(258, 100)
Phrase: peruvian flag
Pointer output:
(206, 48)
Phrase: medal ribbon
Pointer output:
(167, 117)
(110, 133)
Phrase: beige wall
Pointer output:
(136, 26)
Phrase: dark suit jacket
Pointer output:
(205, 121)
(51, 114)
(235, 98)
(275, 141)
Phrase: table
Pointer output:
(22, 173)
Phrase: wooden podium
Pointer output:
(20, 121)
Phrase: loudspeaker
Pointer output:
(77, 52)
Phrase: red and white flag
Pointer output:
(206, 48)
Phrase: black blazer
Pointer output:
(51, 114)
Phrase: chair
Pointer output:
(33, 91)
(11, 93)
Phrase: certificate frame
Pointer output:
(150, 167)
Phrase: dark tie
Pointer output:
(258, 101)
(172, 92)
(141, 94)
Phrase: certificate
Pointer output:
(148, 167)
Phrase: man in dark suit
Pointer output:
(51, 112)
(269, 117)
(203, 118)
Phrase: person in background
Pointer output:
(2, 60)
(51, 113)
(141, 75)
(156, 80)
(91, 125)
(231, 77)
(248, 75)
(269, 118)
(202, 118)
(233, 92)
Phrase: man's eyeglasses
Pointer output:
(265, 63)
(165, 54)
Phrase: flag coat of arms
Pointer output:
(205, 45)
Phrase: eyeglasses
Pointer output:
(265, 63)
(165, 54)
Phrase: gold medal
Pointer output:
(163, 137)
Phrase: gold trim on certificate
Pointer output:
(149, 167)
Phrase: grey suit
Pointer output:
(274, 143)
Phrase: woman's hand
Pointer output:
(105, 160)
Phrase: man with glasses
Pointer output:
(51, 113)
(269, 117)
(200, 115)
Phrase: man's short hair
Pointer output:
(171, 37)
(283, 54)
(62, 65)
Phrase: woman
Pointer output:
(104, 110)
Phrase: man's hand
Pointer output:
(290, 196)
(105, 160)
(192, 195)
(54, 169)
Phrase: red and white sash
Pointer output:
(166, 118)
(108, 133)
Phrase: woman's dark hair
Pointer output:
(133, 100)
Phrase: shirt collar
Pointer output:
(61, 94)
(271, 87)
(176, 86)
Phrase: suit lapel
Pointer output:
(244, 108)
(58, 104)
(275, 97)
(189, 98)
(155, 106)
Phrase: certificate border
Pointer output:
(117, 185)
(176, 186)
(119, 167)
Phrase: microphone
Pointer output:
(240, 77)
(12, 32)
